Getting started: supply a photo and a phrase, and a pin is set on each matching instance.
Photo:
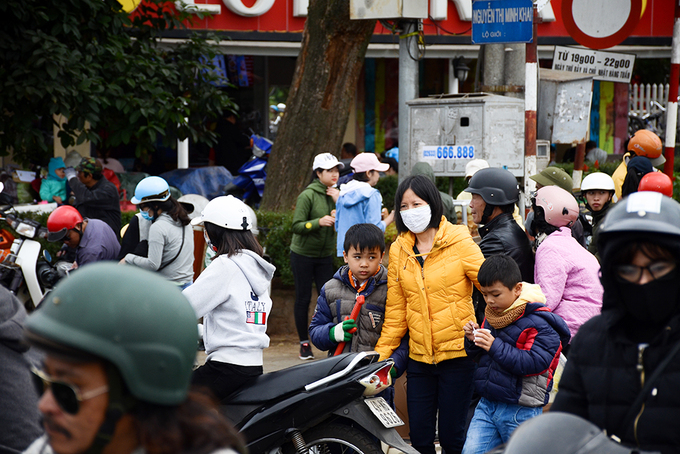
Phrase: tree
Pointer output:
(92, 63)
(317, 109)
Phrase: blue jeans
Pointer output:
(493, 423)
(447, 387)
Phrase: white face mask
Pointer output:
(417, 219)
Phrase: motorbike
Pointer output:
(249, 183)
(22, 271)
(327, 406)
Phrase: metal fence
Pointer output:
(647, 107)
(642, 96)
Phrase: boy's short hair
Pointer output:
(364, 236)
(499, 268)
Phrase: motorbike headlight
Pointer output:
(26, 230)
(378, 381)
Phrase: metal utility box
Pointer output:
(563, 106)
(388, 9)
(449, 131)
(542, 154)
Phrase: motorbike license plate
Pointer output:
(383, 412)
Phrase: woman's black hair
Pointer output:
(231, 242)
(172, 207)
(539, 224)
(362, 176)
(315, 172)
(426, 190)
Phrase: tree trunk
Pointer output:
(326, 73)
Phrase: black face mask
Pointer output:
(654, 302)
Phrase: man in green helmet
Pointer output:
(117, 368)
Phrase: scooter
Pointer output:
(21, 270)
(249, 183)
(324, 406)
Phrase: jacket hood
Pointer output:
(317, 186)
(55, 163)
(447, 234)
(354, 192)
(12, 316)
(531, 293)
(424, 169)
(258, 271)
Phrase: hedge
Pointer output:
(275, 236)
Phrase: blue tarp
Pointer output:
(206, 181)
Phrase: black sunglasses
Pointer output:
(67, 396)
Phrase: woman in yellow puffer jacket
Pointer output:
(433, 266)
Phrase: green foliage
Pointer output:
(458, 185)
(676, 186)
(275, 235)
(126, 217)
(387, 186)
(92, 63)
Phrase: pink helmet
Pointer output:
(560, 207)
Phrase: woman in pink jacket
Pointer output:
(567, 273)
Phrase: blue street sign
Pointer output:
(502, 21)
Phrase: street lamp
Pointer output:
(460, 69)
(458, 72)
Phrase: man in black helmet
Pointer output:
(494, 195)
(118, 364)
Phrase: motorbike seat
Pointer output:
(276, 384)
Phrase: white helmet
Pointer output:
(227, 212)
(472, 167)
(598, 180)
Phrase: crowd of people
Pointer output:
(488, 323)
(478, 325)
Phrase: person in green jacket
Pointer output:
(313, 244)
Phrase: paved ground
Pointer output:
(283, 352)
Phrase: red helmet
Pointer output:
(657, 182)
(63, 219)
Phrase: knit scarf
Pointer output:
(502, 319)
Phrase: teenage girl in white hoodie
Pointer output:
(232, 296)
